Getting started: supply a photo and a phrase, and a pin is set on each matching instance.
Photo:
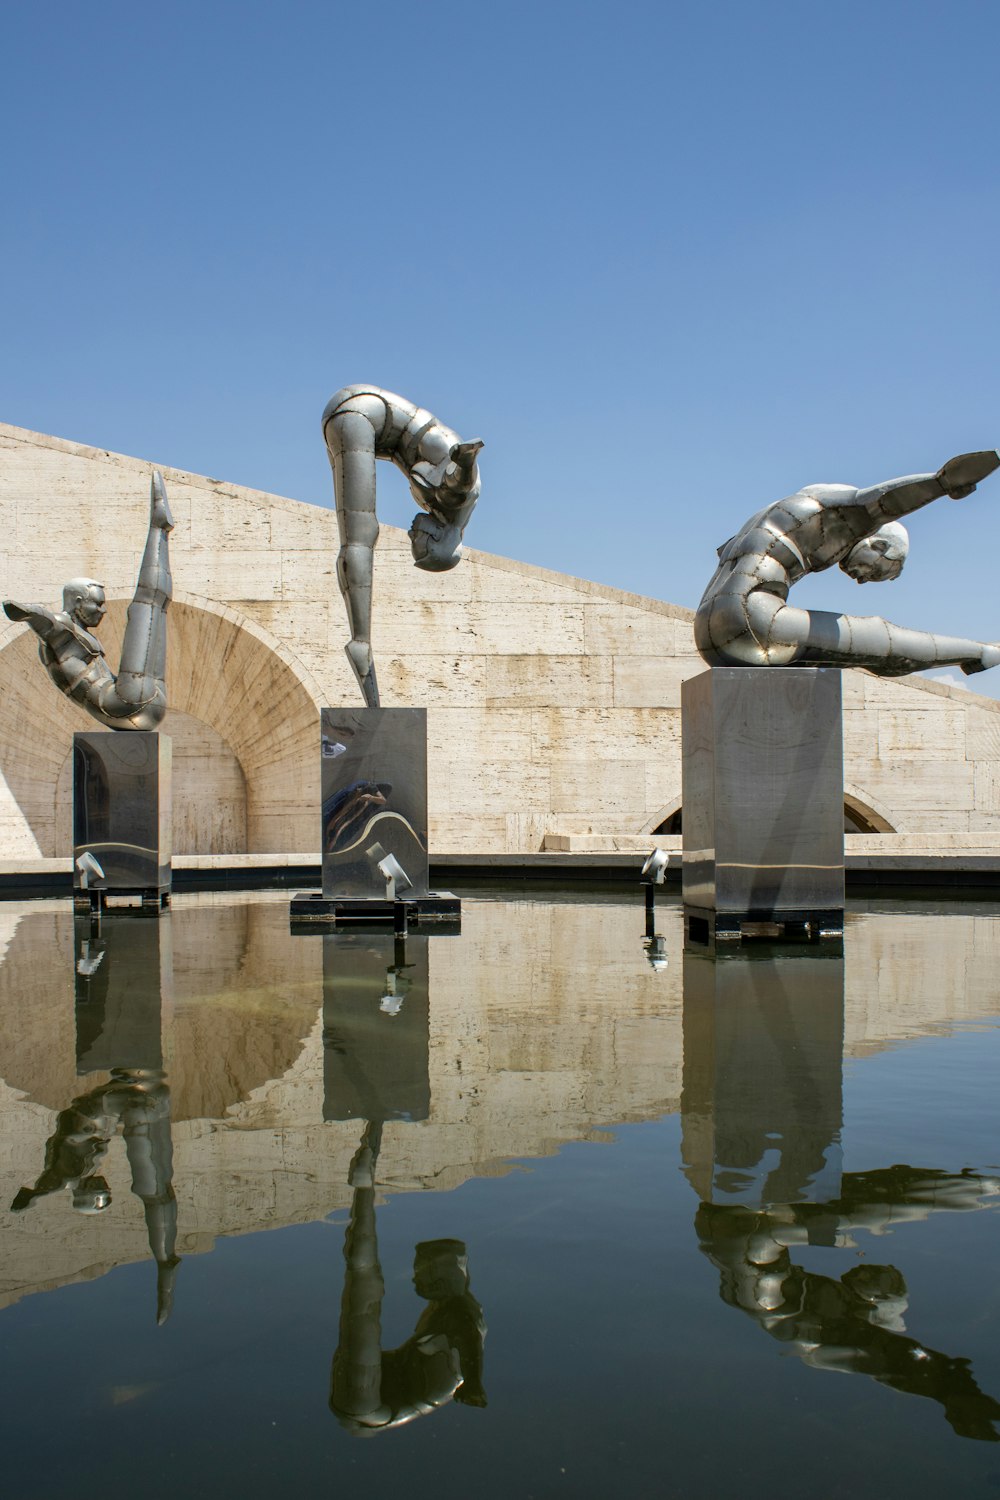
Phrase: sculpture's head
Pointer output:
(880, 557)
(84, 600)
(445, 484)
(436, 546)
(440, 1269)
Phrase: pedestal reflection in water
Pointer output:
(123, 973)
(761, 1118)
(375, 1027)
(605, 1149)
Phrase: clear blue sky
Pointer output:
(670, 261)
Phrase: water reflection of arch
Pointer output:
(244, 1002)
(245, 714)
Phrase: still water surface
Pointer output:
(510, 1213)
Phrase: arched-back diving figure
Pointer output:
(744, 620)
(73, 656)
(362, 423)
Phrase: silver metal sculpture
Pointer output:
(374, 1390)
(743, 619)
(362, 423)
(137, 1099)
(74, 657)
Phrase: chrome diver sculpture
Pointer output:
(137, 1099)
(743, 619)
(853, 1325)
(74, 657)
(362, 423)
(374, 1390)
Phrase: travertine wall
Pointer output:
(554, 703)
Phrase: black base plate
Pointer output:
(440, 910)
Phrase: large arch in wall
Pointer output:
(861, 815)
(244, 714)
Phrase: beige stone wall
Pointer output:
(554, 704)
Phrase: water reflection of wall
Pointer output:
(546, 1025)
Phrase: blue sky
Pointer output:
(670, 261)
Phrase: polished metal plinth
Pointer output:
(121, 817)
(763, 800)
(373, 833)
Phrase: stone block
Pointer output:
(493, 789)
(652, 681)
(600, 787)
(434, 681)
(604, 734)
(914, 733)
(537, 681)
(982, 734)
(926, 787)
(861, 742)
(612, 630)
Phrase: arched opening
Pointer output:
(859, 817)
(244, 722)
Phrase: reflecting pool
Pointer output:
(546, 1208)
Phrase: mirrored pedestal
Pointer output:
(763, 799)
(373, 829)
(121, 817)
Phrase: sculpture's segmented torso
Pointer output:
(404, 433)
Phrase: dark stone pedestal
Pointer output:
(763, 800)
(121, 817)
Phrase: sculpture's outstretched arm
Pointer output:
(899, 497)
(350, 440)
(42, 621)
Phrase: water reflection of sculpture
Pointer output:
(137, 1100)
(375, 1037)
(744, 619)
(761, 1113)
(363, 423)
(853, 1325)
(74, 657)
(372, 1390)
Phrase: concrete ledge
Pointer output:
(925, 845)
(924, 870)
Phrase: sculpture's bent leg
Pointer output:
(759, 630)
(350, 441)
(830, 640)
(138, 694)
(737, 630)
(148, 1145)
(356, 1377)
